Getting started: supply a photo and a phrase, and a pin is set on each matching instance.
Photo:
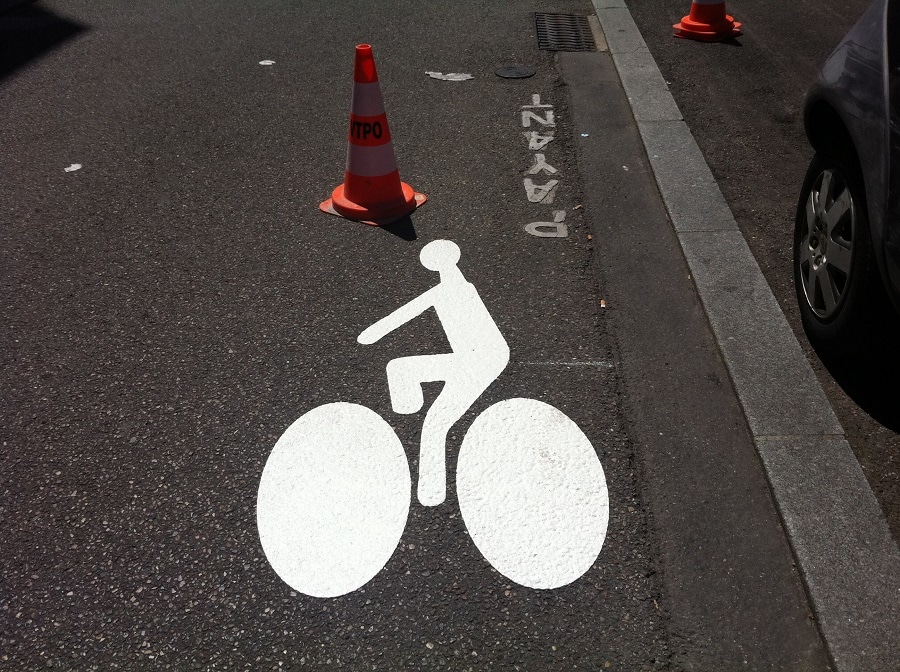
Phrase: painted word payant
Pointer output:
(542, 115)
(334, 495)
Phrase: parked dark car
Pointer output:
(847, 228)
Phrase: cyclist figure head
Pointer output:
(440, 256)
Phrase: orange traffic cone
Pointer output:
(708, 22)
(372, 191)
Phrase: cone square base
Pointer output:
(707, 32)
(373, 217)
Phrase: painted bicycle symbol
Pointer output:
(335, 492)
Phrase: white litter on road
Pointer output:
(73, 167)
(450, 76)
(267, 62)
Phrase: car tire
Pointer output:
(835, 275)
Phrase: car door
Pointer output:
(892, 211)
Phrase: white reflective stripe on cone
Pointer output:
(367, 100)
(708, 2)
(371, 161)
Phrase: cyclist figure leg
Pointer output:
(470, 379)
(405, 377)
(461, 389)
(443, 414)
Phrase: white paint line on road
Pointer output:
(600, 364)
(450, 76)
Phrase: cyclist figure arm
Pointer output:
(398, 318)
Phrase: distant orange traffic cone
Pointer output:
(372, 191)
(708, 22)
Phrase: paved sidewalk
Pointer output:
(848, 559)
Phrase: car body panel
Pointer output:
(853, 86)
(892, 214)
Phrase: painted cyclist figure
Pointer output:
(480, 354)
(334, 496)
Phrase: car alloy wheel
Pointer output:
(825, 248)
(838, 287)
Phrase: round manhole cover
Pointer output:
(515, 71)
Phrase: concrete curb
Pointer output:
(846, 554)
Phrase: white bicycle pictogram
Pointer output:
(335, 492)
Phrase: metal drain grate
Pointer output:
(563, 32)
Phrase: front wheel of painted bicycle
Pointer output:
(532, 493)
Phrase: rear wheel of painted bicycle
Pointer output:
(333, 500)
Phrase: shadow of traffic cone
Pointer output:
(708, 22)
(372, 192)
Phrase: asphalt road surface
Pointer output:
(746, 112)
(173, 299)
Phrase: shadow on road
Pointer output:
(27, 31)
(402, 228)
(870, 375)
